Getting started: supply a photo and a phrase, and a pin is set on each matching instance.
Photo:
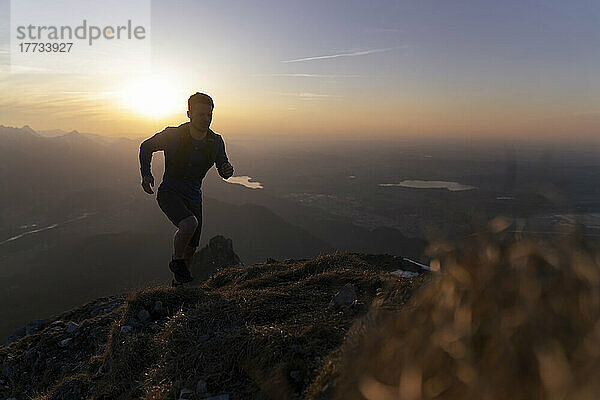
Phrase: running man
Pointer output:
(190, 151)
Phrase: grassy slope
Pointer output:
(263, 331)
(506, 318)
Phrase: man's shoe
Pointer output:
(180, 271)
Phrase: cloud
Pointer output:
(99, 93)
(352, 54)
(305, 75)
(25, 69)
(31, 101)
(315, 95)
(308, 95)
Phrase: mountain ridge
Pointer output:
(74, 354)
(505, 317)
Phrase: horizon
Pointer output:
(587, 144)
(467, 70)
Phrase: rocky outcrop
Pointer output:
(345, 296)
(217, 254)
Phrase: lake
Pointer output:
(452, 186)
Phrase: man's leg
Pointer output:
(176, 209)
(185, 231)
(189, 256)
(194, 241)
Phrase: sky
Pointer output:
(341, 69)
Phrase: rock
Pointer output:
(72, 327)
(143, 315)
(126, 329)
(405, 274)
(218, 253)
(271, 261)
(345, 296)
(201, 387)
(186, 394)
(65, 342)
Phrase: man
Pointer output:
(190, 151)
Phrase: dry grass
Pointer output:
(263, 331)
(505, 319)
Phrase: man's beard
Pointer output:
(202, 126)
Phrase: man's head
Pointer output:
(200, 107)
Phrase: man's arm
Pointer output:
(155, 143)
(223, 166)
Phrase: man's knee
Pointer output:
(188, 224)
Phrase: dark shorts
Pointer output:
(177, 208)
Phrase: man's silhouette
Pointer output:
(190, 151)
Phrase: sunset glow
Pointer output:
(487, 70)
(152, 97)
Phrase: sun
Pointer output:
(153, 97)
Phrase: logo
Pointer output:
(77, 36)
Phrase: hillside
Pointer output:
(504, 317)
(266, 330)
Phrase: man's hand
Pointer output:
(226, 170)
(148, 181)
